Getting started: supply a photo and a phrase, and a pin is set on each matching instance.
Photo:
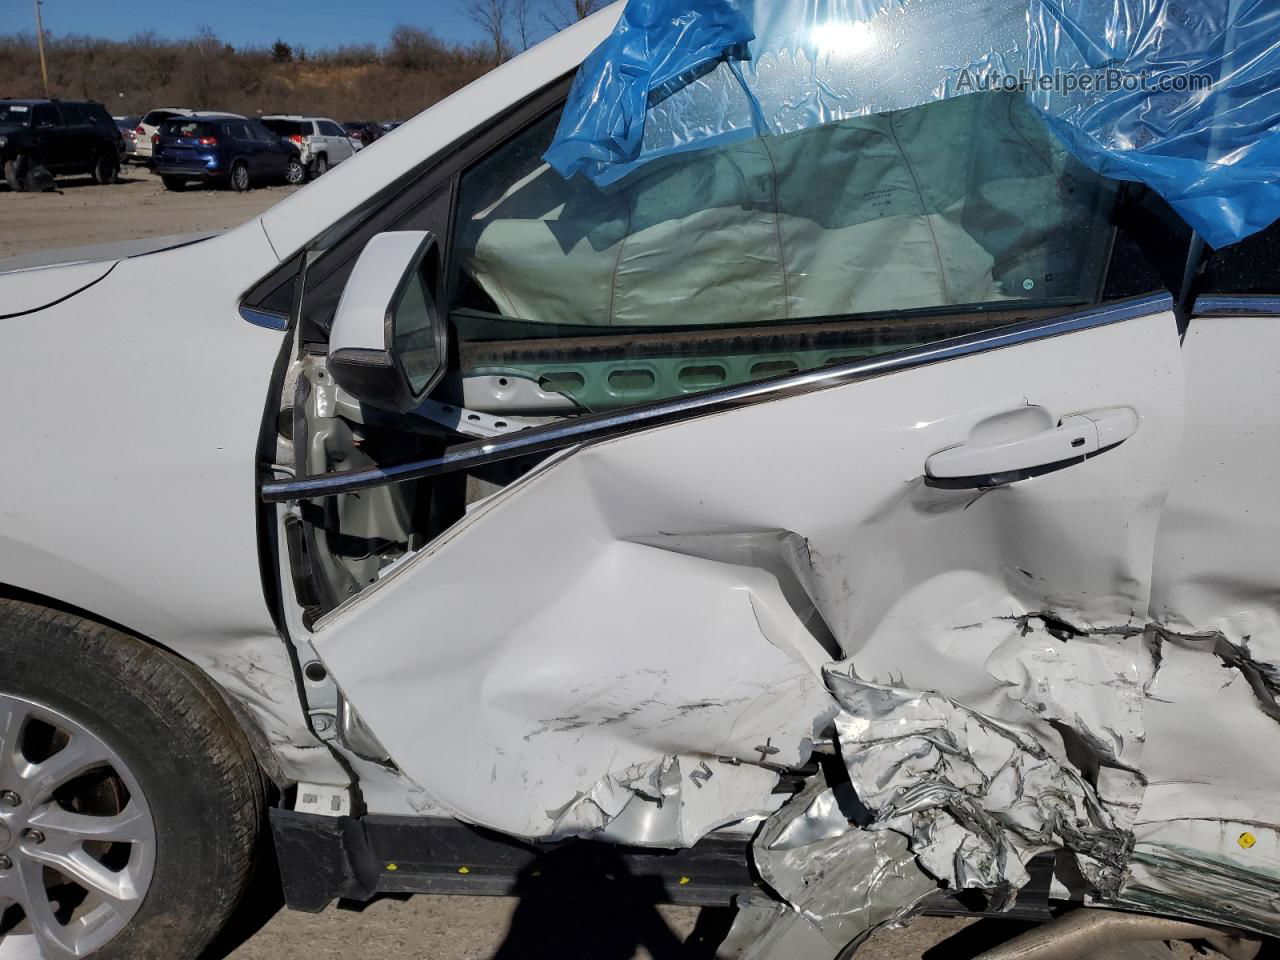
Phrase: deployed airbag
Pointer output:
(913, 212)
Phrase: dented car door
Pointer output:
(631, 638)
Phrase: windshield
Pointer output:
(284, 128)
(12, 113)
(187, 128)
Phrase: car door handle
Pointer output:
(1074, 438)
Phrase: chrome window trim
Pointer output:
(593, 428)
(1237, 305)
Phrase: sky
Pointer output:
(314, 24)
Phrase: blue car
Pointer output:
(228, 151)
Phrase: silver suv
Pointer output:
(322, 141)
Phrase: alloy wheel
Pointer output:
(77, 838)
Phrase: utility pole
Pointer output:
(44, 67)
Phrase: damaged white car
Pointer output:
(844, 500)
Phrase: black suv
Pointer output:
(62, 136)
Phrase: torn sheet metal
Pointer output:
(979, 795)
(843, 881)
(1043, 757)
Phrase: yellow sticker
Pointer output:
(683, 881)
(1246, 840)
(393, 867)
(464, 869)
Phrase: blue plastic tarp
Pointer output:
(1182, 96)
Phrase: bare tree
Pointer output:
(521, 12)
(413, 48)
(206, 68)
(564, 13)
(411, 71)
(492, 17)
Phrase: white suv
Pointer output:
(830, 523)
(323, 143)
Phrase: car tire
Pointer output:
(294, 172)
(106, 170)
(15, 173)
(192, 794)
(176, 184)
(319, 165)
(240, 177)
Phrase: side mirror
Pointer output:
(388, 343)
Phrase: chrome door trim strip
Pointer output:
(593, 428)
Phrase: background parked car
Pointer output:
(364, 131)
(61, 136)
(323, 143)
(224, 150)
(150, 123)
(128, 136)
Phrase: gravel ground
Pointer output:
(489, 928)
(137, 207)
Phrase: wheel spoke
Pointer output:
(79, 867)
(56, 941)
(10, 888)
(65, 831)
(80, 755)
(12, 716)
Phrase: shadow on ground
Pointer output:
(262, 901)
(569, 906)
(976, 938)
(574, 905)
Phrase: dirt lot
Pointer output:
(483, 928)
(418, 928)
(139, 206)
